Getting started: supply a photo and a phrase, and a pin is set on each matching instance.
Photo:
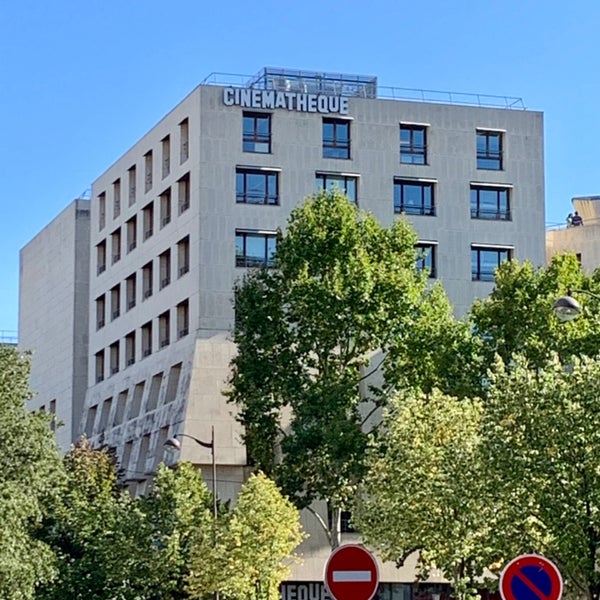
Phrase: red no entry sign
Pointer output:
(531, 577)
(351, 573)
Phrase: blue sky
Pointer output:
(81, 81)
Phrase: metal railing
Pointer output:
(9, 336)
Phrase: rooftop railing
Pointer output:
(8, 336)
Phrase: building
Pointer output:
(181, 215)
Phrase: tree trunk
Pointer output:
(336, 526)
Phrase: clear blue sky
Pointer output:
(81, 81)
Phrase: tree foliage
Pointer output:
(30, 471)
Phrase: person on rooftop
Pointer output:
(577, 221)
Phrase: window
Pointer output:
(115, 243)
(173, 383)
(120, 410)
(130, 291)
(426, 258)
(164, 261)
(166, 156)
(147, 339)
(256, 132)
(164, 329)
(148, 220)
(116, 198)
(183, 319)
(115, 301)
(132, 183)
(114, 358)
(165, 207)
(183, 195)
(184, 146)
(101, 211)
(100, 312)
(90, 421)
(490, 202)
(183, 255)
(136, 401)
(52, 411)
(131, 233)
(485, 261)
(344, 183)
(413, 197)
(154, 392)
(101, 257)
(147, 280)
(148, 171)
(130, 348)
(489, 150)
(99, 366)
(255, 186)
(336, 138)
(413, 144)
(255, 248)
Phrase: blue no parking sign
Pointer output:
(531, 577)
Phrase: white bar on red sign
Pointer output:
(352, 576)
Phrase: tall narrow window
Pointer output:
(336, 138)
(115, 242)
(184, 145)
(114, 358)
(101, 257)
(147, 285)
(183, 318)
(132, 184)
(90, 421)
(347, 184)
(154, 392)
(148, 220)
(256, 186)
(165, 207)
(121, 406)
(426, 258)
(100, 312)
(413, 144)
(413, 197)
(115, 301)
(148, 171)
(164, 329)
(99, 366)
(166, 156)
(101, 211)
(131, 291)
(132, 233)
(183, 255)
(164, 261)
(130, 348)
(136, 400)
(489, 150)
(255, 248)
(183, 193)
(490, 202)
(116, 198)
(173, 383)
(485, 260)
(256, 132)
(147, 339)
(104, 414)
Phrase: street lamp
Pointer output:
(566, 308)
(176, 444)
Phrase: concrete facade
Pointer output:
(162, 252)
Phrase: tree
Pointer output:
(253, 551)
(427, 488)
(344, 289)
(30, 472)
(542, 437)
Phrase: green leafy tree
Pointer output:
(30, 471)
(344, 290)
(254, 549)
(426, 489)
(542, 437)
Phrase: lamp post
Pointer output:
(566, 308)
(175, 443)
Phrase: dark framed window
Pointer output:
(413, 144)
(336, 138)
(427, 258)
(485, 261)
(256, 186)
(256, 136)
(255, 248)
(490, 202)
(347, 184)
(489, 150)
(414, 197)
